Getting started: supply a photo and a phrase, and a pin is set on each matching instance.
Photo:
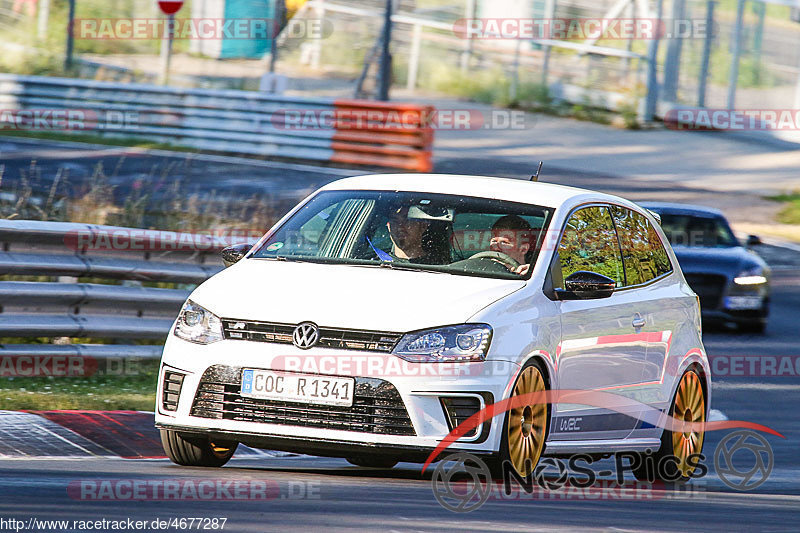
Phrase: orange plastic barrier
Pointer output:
(383, 134)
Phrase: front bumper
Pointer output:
(322, 447)
(724, 301)
(420, 387)
(755, 309)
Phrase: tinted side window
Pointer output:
(644, 256)
(590, 243)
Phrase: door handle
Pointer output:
(638, 322)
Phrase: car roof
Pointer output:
(682, 209)
(507, 189)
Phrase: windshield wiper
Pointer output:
(409, 266)
(382, 264)
(288, 259)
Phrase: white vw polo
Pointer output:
(385, 310)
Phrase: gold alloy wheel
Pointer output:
(526, 423)
(690, 406)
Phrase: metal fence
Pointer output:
(99, 282)
(430, 52)
(242, 122)
(750, 61)
(749, 58)
(753, 56)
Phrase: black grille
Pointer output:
(347, 339)
(377, 406)
(173, 381)
(458, 409)
(708, 287)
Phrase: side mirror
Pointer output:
(753, 240)
(583, 285)
(232, 254)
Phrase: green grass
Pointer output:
(135, 389)
(97, 139)
(790, 214)
(494, 87)
(775, 11)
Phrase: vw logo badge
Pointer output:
(305, 335)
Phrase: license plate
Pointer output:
(301, 388)
(743, 302)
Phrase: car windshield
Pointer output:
(693, 230)
(414, 231)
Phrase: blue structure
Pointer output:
(254, 47)
(249, 30)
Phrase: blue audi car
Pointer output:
(731, 280)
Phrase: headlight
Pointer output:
(751, 276)
(196, 324)
(467, 342)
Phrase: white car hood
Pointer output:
(347, 296)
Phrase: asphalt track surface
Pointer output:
(308, 493)
(285, 183)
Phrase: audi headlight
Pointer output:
(467, 342)
(751, 276)
(197, 324)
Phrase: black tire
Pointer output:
(196, 451)
(670, 473)
(372, 461)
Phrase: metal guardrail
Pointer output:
(97, 351)
(243, 122)
(52, 257)
(74, 295)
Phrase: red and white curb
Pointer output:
(76, 434)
